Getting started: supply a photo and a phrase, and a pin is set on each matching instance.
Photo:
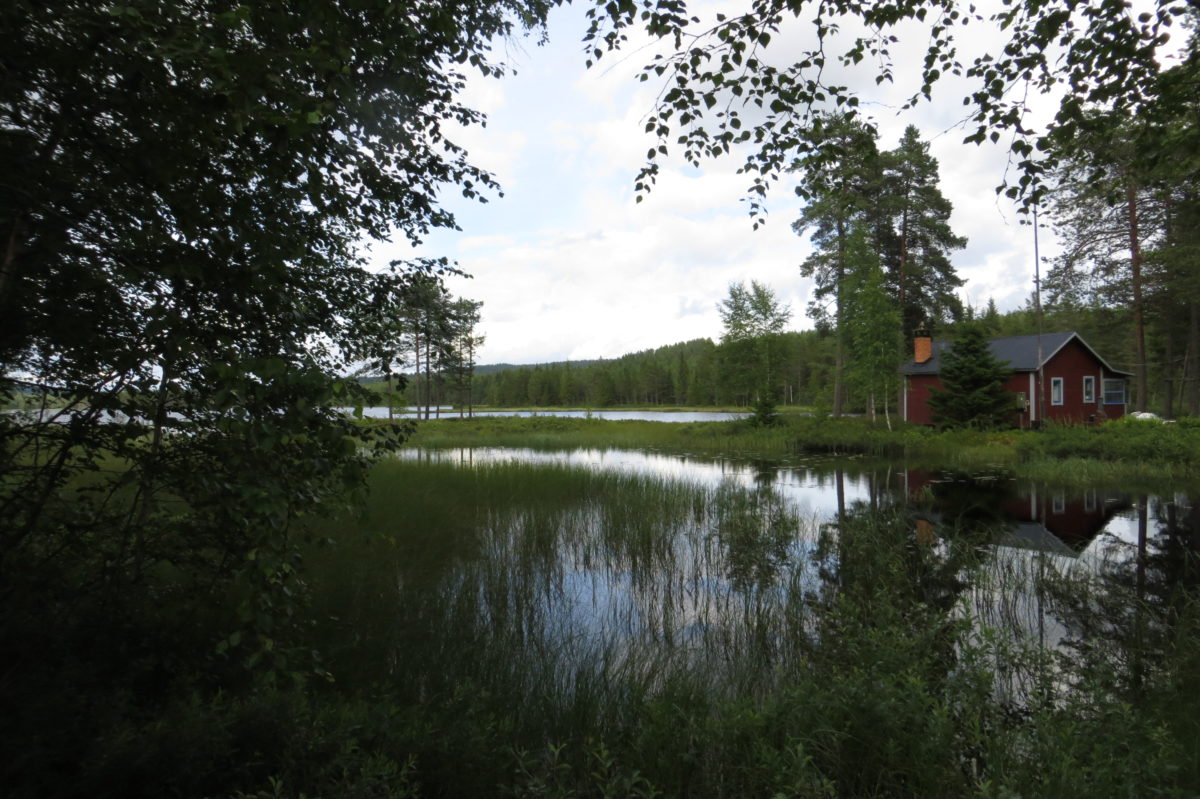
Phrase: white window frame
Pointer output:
(1057, 391)
(1089, 389)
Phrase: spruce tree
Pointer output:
(972, 378)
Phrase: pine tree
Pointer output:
(918, 240)
(840, 194)
(973, 380)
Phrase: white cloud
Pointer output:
(569, 266)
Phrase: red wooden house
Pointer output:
(1056, 377)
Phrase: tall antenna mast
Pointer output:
(1037, 308)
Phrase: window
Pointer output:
(1089, 389)
(1114, 392)
(1058, 503)
(1056, 391)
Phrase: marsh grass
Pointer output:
(518, 629)
(1112, 454)
(546, 630)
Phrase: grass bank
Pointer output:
(1118, 453)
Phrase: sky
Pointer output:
(569, 267)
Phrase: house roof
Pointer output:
(1019, 352)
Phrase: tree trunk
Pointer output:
(428, 378)
(1167, 377)
(1191, 361)
(1139, 321)
(8, 269)
(839, 358)
(904, 320)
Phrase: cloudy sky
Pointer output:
(569, 267)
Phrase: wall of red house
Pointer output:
(1072, 363)
(916, 398)
(1018, 383)
(921, 386)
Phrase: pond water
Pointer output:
(1081, 523)
(587, 578)
(643, 416)
(882, 619)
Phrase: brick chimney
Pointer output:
(922, 344)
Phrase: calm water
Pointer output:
(541, 569)
(642, 416)
(1076, 524)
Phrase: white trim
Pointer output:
(1086, 346)
(1032, 400)
(1089, 380)
(1062, 391)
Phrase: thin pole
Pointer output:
(1037, 306)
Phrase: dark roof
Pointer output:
(1019, 352)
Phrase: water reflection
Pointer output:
(447, 412)
(1084, 522)
(650, 564)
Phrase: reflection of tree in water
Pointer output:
(1130, 616)
(765, 473)
(973, 501)
(880, 575)
(757, 530)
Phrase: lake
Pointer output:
(531, 599)
(643, 416)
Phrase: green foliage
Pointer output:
(917, 241)
(715, 67)
(765, 413)
(973, 392)
(188, 189)
(866, 209)
(872, 323)
(694, 373)
(756, 318)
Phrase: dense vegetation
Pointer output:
(186, 194)
(738, 650)
(188, 603)
(701, 373)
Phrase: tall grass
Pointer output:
(1111, 454)
(511, 629)
(569, 633)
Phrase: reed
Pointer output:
(568, 632)
(512, 629)
(1133, 450)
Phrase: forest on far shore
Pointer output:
(703, 373)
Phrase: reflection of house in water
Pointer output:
(1033, 517)
(1074, 519)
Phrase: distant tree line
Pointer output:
(691, 373)
(701, 373)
